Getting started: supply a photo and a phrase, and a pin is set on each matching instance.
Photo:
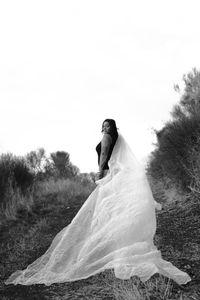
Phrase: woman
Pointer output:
(105, 147)
(113, 229)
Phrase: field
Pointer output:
(27, 231)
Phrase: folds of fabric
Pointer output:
(113, 229)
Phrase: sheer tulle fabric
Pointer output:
(113, 229)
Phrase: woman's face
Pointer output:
(106, 127)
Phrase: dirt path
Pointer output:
(178, 238)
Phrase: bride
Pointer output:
(114, 229)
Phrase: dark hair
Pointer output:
(113, 126)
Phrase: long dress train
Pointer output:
(113, 229)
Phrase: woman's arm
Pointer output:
(105, 146)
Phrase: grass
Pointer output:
(15, 201)
(133, 289)
(52, 205)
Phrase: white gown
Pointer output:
(113, 229)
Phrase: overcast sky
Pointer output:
(65, 66)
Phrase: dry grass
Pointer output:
(13, 202)
(53, 206)
(133, 289)
(64, 189)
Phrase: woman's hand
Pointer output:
(99, 175)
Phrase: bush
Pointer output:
(14, 173)
(194, 168)
(171, 158)
(62, 166)
(179, 137)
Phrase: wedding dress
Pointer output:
(114, 229)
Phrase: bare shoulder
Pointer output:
(107, 139)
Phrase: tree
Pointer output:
(36, 159)
(62, 165)
(172, 156)
(190, 100)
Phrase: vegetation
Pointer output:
(14, 173)
(176, 157)
(40, 195)
(174, 175)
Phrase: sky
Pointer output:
(65, 66)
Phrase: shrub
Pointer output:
(175, 141)
(62, 166)
(15, 201)
(14, 173)
(171, 159)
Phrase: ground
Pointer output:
(24, 239)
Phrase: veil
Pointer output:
(114, 229)
(124, 164)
